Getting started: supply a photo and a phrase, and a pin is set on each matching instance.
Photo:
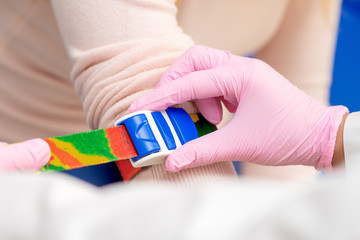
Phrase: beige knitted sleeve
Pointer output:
(118, 50)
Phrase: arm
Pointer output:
(118, 50)
(303, 48)
(241, 27)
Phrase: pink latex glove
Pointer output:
(28, 155)
(274, 123)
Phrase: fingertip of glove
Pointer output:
(39, 152)
(171, 168)
(171, 165)
(136, 106)
(213, 118)
(144, 104)
(211, 110)
(132, 107)
(179, 160)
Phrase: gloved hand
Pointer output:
(28, 155)
(274, 123)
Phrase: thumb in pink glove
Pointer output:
(28, 155)
(274, 123)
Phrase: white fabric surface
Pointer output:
(58, 207)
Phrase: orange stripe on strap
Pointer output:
(66, 158)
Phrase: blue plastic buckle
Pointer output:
(156, 134)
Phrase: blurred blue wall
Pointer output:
(345, 89)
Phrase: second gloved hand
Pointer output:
(274, 123)
(28, 155)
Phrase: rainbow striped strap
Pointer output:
(103, 146)
(74, 151)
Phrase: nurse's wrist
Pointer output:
(339, 156)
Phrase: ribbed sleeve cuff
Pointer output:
(188, 178)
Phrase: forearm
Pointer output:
(303, 48)
(118, 55)
(118, 50)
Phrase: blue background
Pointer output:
(346, 73)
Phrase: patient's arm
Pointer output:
(303, 48)
(119, 49)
